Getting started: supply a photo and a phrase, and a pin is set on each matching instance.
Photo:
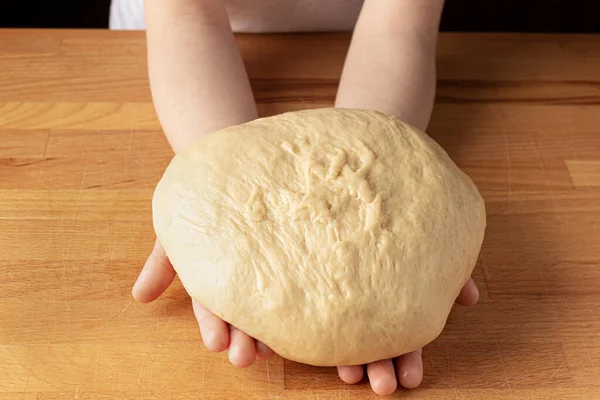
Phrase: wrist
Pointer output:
(180, 138)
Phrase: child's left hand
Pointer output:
(218, 336)
(407, 369)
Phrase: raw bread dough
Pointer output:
(334, 236)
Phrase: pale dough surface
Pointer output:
(334, 236)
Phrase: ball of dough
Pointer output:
(334, 236)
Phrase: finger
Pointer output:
(263, 352)
(382, 377)
(409, 369)
(156, 276)
(469, 295)
(242, 351)
(351, 374)
(214, 331)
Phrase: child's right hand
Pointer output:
(217, 335)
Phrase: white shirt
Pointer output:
(254, 16)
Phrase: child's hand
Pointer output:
(218, 336)
(407, 370)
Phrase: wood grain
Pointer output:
(81, 150)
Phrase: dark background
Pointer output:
(459, 15)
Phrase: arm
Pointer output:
(391, 68)
(390, 65)
(199, 85)
(197, 77)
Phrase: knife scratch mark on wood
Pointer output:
(592, 363)
(65, 255)
(131, 128)
(540, 270)
(29, 373)
(166, 382)
(43, 166)
(141, 370)
(471, 394)
(112, 246)
(539, 161)
(555, 371)
(173, 335)
(489, 317)
(572, 122)
(96, 359)
(116, 386)
(448, 364)
(507, 154)
(432, 368)
(121, 361)
(168, 322)
(268, 379)
(64, 280)
(125, 309)
(554, 209)
(83, 176)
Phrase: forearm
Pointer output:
(390, 65)
(197, 77)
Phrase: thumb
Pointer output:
(156, 276)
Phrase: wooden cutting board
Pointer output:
(81, 150)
